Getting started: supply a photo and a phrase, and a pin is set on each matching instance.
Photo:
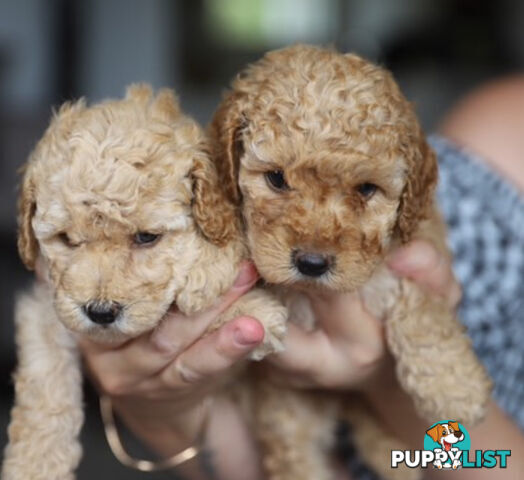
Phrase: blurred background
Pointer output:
(55, 50)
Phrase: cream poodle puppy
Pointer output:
(331, 170)
(121, 210)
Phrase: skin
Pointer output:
(489, 121)
(347, 353)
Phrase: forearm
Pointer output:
(227, 449)
(496, 431)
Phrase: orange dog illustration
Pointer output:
(446, 435)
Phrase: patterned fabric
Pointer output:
(485, 217)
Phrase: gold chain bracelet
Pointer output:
(115, 444)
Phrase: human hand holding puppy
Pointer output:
(349, 351)
(163, 406)
(159, 381)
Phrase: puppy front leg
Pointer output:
(266, 308)
(436, 363)
(47, 415)
(296, 431)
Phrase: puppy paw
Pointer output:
(269, 311)
(274, 319)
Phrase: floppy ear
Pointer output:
(455, 426)
(435, 432)
(417, 196)
(214, 214)
(27, 244)
(226, 133)
(60, 126)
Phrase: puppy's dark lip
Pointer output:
(301, 283)
(310, 284)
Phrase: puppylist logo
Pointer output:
(447, 447)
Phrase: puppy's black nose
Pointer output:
(102, 313)
(311, 264)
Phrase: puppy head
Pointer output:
(328, 162)
(115, 199)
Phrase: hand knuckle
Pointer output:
(165, 348)
(187, 374)
(112, 386)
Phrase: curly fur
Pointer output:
(98, 176)
(332, 122)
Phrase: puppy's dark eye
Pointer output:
(367, 190)
(275, 179)
(66, 240)
(145, 238)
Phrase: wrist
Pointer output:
(165, 426)
(162, 441)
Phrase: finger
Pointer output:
(177, 332)
(421, 262)
(312, 359)
(215, 353)
(118, 368)
(344, 318)
(302, 350)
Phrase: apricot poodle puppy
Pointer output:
(121, 210)
(330, 169)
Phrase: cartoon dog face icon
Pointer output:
(446, 434)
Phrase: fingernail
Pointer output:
(246, 337)
(247, 275)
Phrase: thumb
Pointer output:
(303, 350)
(344, 316)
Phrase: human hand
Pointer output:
(348, 350)
(159, 380)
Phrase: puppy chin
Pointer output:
(287, 275)
(129, 324)
(122, 329)
(332, 281)
(77, 322)
(326, 283)
(110, 334)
